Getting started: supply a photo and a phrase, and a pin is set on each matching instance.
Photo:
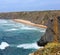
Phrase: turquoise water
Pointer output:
(18, 38)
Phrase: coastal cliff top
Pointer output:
(49, 49)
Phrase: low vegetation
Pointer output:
(49, 49)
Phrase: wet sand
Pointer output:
(29, 23)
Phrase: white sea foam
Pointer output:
(21, 28)
(3, 21)
(18, 26)
(43, 30)
(32, 28)
(7, 24)
(29, 46)
(24, 46)
(4, 45)
(13, 29)
(27, 28)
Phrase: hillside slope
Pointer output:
(38, 17)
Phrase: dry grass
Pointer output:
(49, 49)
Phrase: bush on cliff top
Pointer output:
(49, 49)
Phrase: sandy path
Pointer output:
(29, 23)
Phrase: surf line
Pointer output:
(29, 23)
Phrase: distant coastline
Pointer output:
(29, 23)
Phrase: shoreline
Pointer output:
(29, 23)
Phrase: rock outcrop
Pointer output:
(49, 35)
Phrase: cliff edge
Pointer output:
(49, 49)
(50, 32)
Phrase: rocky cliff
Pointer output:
(38, 17)
(50, 33)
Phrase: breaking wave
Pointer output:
(28, 28)
(11, 29)
(4, 45)
(24, 46)
(17, 26)
(29, 46)
(3, 21)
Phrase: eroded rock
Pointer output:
(49, 35)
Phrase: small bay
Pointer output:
(20, 38)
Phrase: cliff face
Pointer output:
(50, 33)
(38, 17)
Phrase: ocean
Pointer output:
(18, 38)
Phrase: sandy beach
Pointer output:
(29, 23)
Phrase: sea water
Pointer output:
(17, 38)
